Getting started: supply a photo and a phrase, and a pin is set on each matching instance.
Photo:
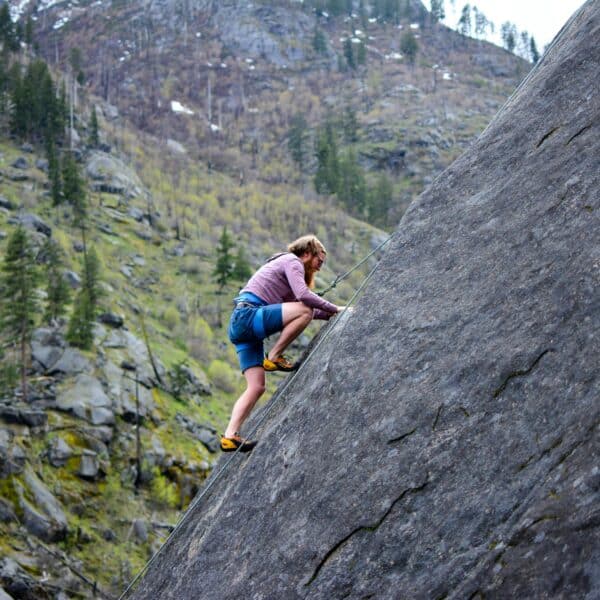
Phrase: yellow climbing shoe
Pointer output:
(278, 364)
(231, 444)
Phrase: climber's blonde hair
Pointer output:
(312, 245)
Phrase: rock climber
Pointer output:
(277, 297)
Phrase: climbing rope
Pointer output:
(343, 276)
(267, 411)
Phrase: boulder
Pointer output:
(33, 222)
(17, 583)
(204, 433)
(12, 456)
(111, 175)
(7, 204)
(140, 530)
(42, 164)
(73, 279)
(59, 452)
(111, 319)
(442, 439)
(71, 362)
(22, 414)
(89, 466)
(86, 399)
(43, 515)
(20, 163)
(122, 390)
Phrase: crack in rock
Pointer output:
(369, 528)
(522, 373)
(582, 130)
(402, 437)
(551, 132)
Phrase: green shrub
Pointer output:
(223, 376)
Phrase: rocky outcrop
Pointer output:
(112, 176)
(443, 440)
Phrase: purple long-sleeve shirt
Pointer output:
(282, 280)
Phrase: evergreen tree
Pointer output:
(380, 201)
(8, 37)
(297, 138)
(18, 298)
(81, 327)
(350, 125)
(29, 32)
(91, 279)
(319, 42)
(352, 189)
(509, 35)
(438, 12)
(464, 23)
(327, 174)
(94, 139)
(57, 289)
(74, 191)
(54, 175)
(224, 265)
(409, 46)
(533, 51)
(349, 53)
(241, 267)
(361, 54)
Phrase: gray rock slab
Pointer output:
(33, 222)
(85, 397)
(43, 514)
(59, 452)
(89, 466)
(443, 439)
(71, 362)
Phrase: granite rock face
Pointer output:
(443, 440)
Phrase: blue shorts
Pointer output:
(250, 325)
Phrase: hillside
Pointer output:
(239, 73)
(162, 185)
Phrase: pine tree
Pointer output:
(438, 12)
(361, 54)
(80, 332)
(380, 201)
(509, 35)
(74, 191)
(94, 139)
(18, 298)
(319, 42)
(327, 174)
(533, 51)
(81, 325)
(352, 189)
(350, 125)
(8, 37)
(91, 278)
(224, 265)
(349, 53)
(57, 289)
(29, 31)
(464, 23)
(54, 175)
(297, 138)
(241, 267)
(409, 46)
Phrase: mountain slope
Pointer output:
(241, 71)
